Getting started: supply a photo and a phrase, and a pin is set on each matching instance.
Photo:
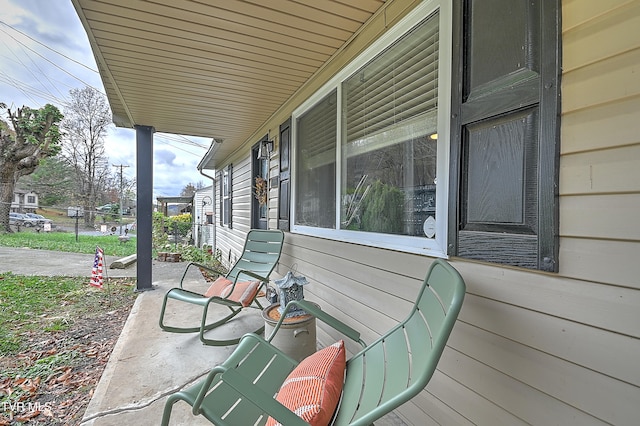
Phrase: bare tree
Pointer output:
(191, 188)
(87, 119)
(35, 135)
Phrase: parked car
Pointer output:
(111, 208)
(20, 219)
(40, 220)
(15, 219)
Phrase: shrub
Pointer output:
(382, 209)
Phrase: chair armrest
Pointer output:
(264, 401)
(199, 265)
(252, 275)
(314, 310)
(206, 386)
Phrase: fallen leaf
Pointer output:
(28, 416)
(29, 385)
(65, 376)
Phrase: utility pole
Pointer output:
(120, 205)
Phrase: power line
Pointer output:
(52, 63)
(181, 149)
(19, 61)
(35, 76)
(29, 90)
(181, 139)
(47, 47)
(12, 82)
(46, 75)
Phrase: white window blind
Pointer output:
(398, 87)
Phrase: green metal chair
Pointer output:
(259, 257)
(381, 377)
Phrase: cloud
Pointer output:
(164, 157)
(172, 173)
(32, 75)
(173, 168)
(42, 20)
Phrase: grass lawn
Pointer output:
(66, 241)
(56, 333)
(52, 304)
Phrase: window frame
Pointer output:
(436, 246)
(226, 196)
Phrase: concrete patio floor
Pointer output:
(147, 364)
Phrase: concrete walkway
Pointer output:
(26, 261)
(147, 364)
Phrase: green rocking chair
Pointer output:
(251, 272)
(378, 379)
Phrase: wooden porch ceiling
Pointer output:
(213, 68)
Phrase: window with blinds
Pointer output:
(368, 144)
(389, 137)
(316, 166)
(396, 89)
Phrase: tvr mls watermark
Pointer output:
(25, 407)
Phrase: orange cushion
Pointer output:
(218, 287)
(312, 390)
(243, 293)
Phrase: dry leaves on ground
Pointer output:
(52, 382)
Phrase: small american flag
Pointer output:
(97, 279)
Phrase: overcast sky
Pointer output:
(44, 53)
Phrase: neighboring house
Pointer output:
(501, 135)
(24, 201)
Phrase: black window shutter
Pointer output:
(284, 187)
(221, 197)
(230, 204)
(505, 132)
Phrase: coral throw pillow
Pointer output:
(243, 293)
(218, 287)
(312, 390)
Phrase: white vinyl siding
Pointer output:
(531, 347)
(229, 241)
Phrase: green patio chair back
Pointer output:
(260, 255)
(396, 367)
(381, 377)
